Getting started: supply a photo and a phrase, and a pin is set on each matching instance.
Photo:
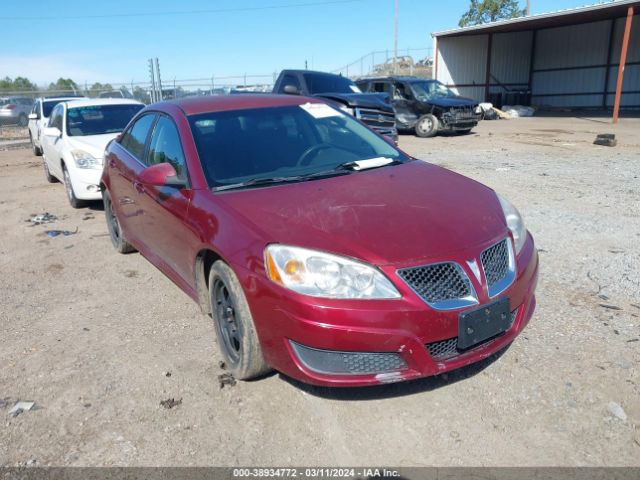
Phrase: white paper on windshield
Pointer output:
(371, 163)
(319, 110)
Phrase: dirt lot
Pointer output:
(98, 340)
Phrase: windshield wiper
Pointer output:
(341, 169)
(258, 181)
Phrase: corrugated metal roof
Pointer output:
(585, 13)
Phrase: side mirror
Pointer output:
(161, 175)
(33, 116)
(291, 90)
(52, 132)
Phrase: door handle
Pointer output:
(139, 187)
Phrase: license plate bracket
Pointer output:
(478, 325)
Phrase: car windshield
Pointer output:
(292, 142)
(99, 119)
(426, 91)
(322, 83)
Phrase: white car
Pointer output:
(73, 143)
(39, 117)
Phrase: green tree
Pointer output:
(141, 95)
(19, 84)
(97, 88)
(484, 11)
(64, 86)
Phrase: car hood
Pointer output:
(400, 215)
(363, 100)
(93, 144)
(452, 102)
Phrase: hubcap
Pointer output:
(426, 125)
(67, 184)
(114, 226)
(227, 321)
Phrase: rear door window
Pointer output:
(135, 138)
(56, 117)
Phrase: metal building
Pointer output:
(568, 58)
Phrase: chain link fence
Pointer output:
(410, 61)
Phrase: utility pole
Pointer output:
(152, 75)
(527, 12)
(395, 39)
(160, 94)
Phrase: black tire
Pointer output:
(113, 226)
(236, 332)
(426, 126)
(68, 187)
(23, 120)
(47, 174)
(37, 151)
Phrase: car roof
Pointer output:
(92, 102)
(221, 103)
(60, 99)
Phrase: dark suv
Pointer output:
(373, 110)
(426, 106)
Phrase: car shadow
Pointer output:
(96, 206)
(400, 389)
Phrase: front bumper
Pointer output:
(406, 327)
(86, 183)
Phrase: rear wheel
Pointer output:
(37, 151)
(234, 325)
(113, 226)
(427, 126)
(73, 200)
(47, 174)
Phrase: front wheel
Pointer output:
(427, 126)
(113, 226)
(73, 200)
(237, 337)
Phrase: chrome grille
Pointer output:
(448, 348)
(376, 118)
(442, 285)
(499, 266)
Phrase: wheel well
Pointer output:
(204, 260)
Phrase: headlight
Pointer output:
(320, 274)
(85, 160)
(346, 109)
(478, 110)
(514, 222)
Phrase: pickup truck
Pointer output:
(372, 109)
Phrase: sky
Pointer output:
(111, 40)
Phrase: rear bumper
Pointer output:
(403, 327)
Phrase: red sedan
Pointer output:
(316, 246)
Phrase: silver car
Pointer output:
(15, 110)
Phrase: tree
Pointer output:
(64, 86)
(19, 84)
(97, 88)
(141, 95)
(484, 11)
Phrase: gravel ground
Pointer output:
(98, 340)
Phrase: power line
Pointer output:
(187, 12)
